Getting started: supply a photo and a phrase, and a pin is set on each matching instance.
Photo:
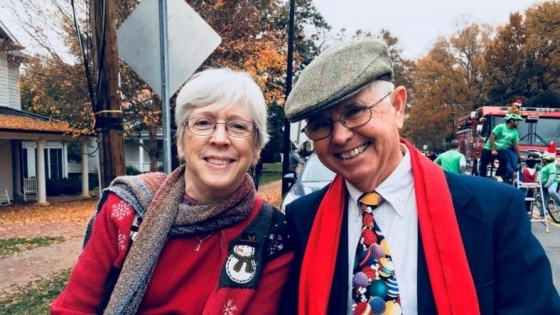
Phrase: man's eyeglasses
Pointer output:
(203, 126)
(352, 117)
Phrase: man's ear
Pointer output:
(398, 101)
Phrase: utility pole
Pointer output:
(107, 103)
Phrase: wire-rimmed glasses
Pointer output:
(204, 126)
(352, 117)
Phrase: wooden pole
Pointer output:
(107, 106)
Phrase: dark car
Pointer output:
(313, 176)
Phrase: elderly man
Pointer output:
(455, 248)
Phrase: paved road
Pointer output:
(551, 243)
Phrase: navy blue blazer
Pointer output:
(511, 272)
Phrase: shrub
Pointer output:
(131, 170)
(93, 180)
(66, 186)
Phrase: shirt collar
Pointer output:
(395, 189)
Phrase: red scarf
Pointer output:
(453, 287)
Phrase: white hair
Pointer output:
(219, 89)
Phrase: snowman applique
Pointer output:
(241, 264)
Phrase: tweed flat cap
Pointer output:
(337, 74)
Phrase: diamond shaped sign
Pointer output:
(190, 41)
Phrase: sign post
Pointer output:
(150, 43)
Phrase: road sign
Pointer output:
(190, 41)
(165, 49)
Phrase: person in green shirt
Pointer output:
(452, 160)
(549, 179)
(498, 142)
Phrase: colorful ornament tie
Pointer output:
(374, 285)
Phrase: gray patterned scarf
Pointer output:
(168, 216)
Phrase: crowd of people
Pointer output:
(393, 233)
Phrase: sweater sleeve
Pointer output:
(105, 251)
(279, 255)
(269, 290)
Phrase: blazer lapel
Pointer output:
(469, 224)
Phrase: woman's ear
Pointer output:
(180, 152)
(256, 157)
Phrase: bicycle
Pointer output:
(552, 208)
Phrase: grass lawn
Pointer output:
(10, 246)
(271, 173)
(36, 298)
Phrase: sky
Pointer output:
(417, 24)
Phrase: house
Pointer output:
(32, 146)
(137, 157)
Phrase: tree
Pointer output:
(542, 23)
(52, 91)
(53, 83)
(271, 152)
(523, 59)
(505, 76)
(253, 39)
(447, 85)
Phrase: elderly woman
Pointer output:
(199, 241)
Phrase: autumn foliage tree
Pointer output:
(446, 84)
(53, 83)
(253, 34)
(505, 77)
(479, 65)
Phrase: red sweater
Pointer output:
(183, 278)
(528, 177)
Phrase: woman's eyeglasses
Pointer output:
(203, 126)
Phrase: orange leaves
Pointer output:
(25, 123)
(78, 212)
(272, 196)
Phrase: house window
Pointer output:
(53, 165)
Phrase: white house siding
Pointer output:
(31, 146)
(4, 99)
(138, 157)
(13, 87)
(93, 163)
(131, 155)
(6, 167)
(72, 167)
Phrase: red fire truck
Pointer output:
(539, 127)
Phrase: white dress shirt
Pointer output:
(397, 218)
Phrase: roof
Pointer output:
(5, 33)
(13, 47)
(16, 120)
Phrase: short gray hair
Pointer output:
(219, 88)
(381, 86)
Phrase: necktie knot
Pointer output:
(369, 201)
